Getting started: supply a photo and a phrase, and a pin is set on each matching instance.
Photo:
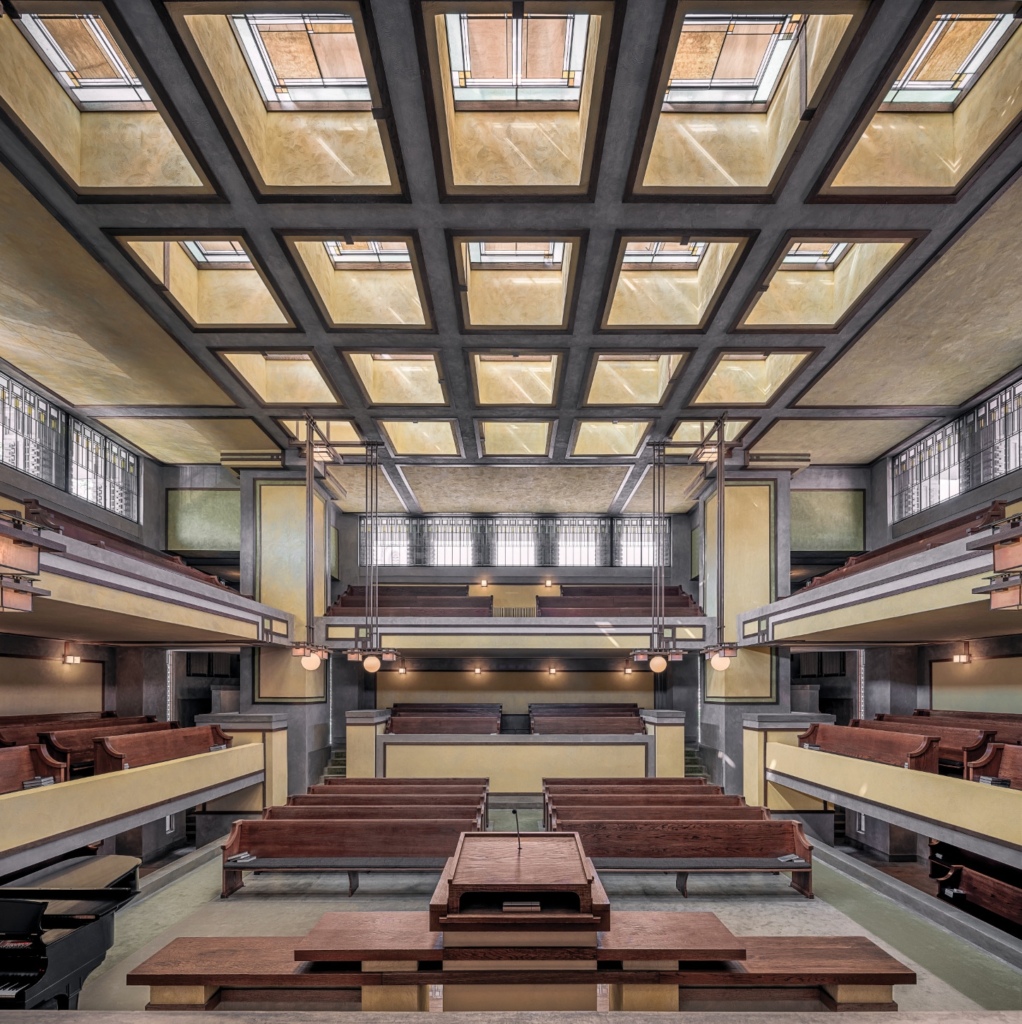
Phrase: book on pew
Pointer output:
(995, 780)
(39, 780)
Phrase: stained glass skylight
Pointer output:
(654, 255)
(532, 253)
(498, 60)
(951, 56)
(225, 255)
(368, 255)
(86, 60)
(304, 60)
(814, 255)
(731, 58)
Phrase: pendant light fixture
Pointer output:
(312, 655)
(721, 654)
(21, 544)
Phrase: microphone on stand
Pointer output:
(518, 831)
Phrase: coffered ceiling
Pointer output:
(513, 298)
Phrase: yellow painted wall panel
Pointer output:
(827, 521)
(516, 768)
(31, 686)
(985, 684)
(199, 520)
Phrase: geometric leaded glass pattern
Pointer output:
(368, 255)
(731, 58)
(304, 60)
(500, 61)
(814, 255)
(85, 59)
(660, 255)
(950, 58)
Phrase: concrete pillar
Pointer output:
(668, 731)
(362, 729)
(891, 676)
(141, 689)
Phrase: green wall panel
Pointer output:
(203, 520)
(827, 520)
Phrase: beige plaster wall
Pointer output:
(30, 686)
(326, 148)
(985, 684)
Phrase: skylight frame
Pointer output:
(480, 259)
(580, 422)
(123, 94)
(280, 355)
(831, 253)
(659, 259)
(373, 258)
(388, 438)
(906, 97)
(808, 354)
(693, 95)
(390, 354)
(516, 92)
(625, 355)
(559, 358)
(276, 94)
(481, 422)
(205, 259)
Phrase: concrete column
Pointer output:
(141, 674)
(891, 677)
(668, 730)
(362, 729)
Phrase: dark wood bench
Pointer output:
(597, 725)
(1006, 728)
(423, 725)
(448, 709)
(637, 782)
(76, 747)
(54, 716)
(965, 885)
(395, 782)
(31, 732)
(414, 612)
(30, 763)
(407, 790)
(324, 797)
(1001, 760)
(430, 809)
(956, 746)
(132, 750)
(563, 815)
(352, 846)
(607, 708)
(906, 750)
(700, 847)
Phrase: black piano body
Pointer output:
(53, 936)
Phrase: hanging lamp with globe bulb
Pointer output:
(658, 663)
(720, 662)
(310, 662)
(372, 663)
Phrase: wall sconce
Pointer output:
(964, 656)
(402, 671)
(69, 658)
(628, 671)
(478, 671)
(552, 670)
(548, 583)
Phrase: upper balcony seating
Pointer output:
(1001, 761)
(132, 750)
(957, 746)
(1006, 728)
(905, 750)
(48, 519)
(34, 730)
(585, 719)
(415, 602)
(76, 748)
(55, 716)
(608, 601)
(957, 529)
(449, 719)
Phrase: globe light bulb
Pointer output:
(658, 663)
(720, 662)
(371, 664)
(310, 662)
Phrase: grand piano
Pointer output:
(56, 929)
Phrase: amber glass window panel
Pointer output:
(625, 378)
(86, 60)
(421, 437)
(302, 60)
(515, 378)
(369, 254)
(654, 255)
(610, 437)
(695, 432)
(949, 59)
(725, 58)
(749, 378)
(497, 60)
(510, 438)
(408, 378)
(814, 255)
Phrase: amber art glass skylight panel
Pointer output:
(500, 61)
(301, 60)
(950, 58)
(814, 255)
(85, 59)
(368, 255)
(731, 58)
(660, 255)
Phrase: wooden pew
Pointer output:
(562, 710)
(325, 796)
(414, 612)
(396, 844)
(54, 716)
(19, 765)
(639, 782)
(76, 747)
(395, 782)
(423, 725)
(964, 885)
(132, 750)
(957, 746)
(1001, 760)
(906, 750)
(1007, 728)
(30, 732)
(678, 798)
(598, 725)
(431, 809)
(448, 709)
(700, 847)
(564, 814)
